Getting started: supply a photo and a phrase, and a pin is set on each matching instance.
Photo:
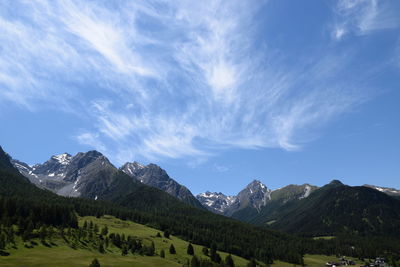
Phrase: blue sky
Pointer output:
(216, 92)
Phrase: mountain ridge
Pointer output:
(88, 173)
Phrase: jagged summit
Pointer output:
(335, 182)
(253, 198)
(155, 176)
(64, 158)
(387, 190)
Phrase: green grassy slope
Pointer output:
(62, 254)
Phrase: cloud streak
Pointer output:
(172, 80)
(362, 17)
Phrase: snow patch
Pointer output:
(63, 159)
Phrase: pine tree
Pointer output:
(2, 241)
(42, 233)
(190, 249)
(101, 248)
(194, 262)
(104, 230)
(205, 251)
(124, 251)
(95, 263)
(152, 248)
(172, 249)
(166, 234)
(229, 261)
(215, 257)
(107, 241)
(252, 263)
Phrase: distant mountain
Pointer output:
(155, 176)
(254, 199)
(66, 175)
(254, 196)
(216, 202)
(389, 191)
(91, 173)
(336, 208)
(278, 198)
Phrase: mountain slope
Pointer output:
(80, 175)
(216, 202)
(255, 202)
(252, 197)
(91, 173)
(287, 195)
(337, 208)
(155, 176)
(389, 191)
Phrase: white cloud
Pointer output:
(183, 82)
(221, 168)
(91, 140)
(363, 17)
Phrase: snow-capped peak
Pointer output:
(216, 201)
(63, 159)
(131, 168)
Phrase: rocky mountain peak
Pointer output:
(216, 202)
(63, 159)
(336, 183)
(132, 168)
(155, 176)
(255, 186)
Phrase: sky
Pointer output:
(217, 93)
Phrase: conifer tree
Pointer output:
(172, 249)
(190, 249)
(124, 251)
(252, 263)
(194, 262)
(104, 230)
(166, 234)
(95, 263)
(101, 248)
(152, 249)
(2, 241)
(229, 261)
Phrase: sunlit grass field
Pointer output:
(61, 254)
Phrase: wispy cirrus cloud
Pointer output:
(363, 17)
(170, 79)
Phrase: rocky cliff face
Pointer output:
(155, 176)
(254, 195)
(253, 198)
(69, 175)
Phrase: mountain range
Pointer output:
(78, 176)
(91, 175)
